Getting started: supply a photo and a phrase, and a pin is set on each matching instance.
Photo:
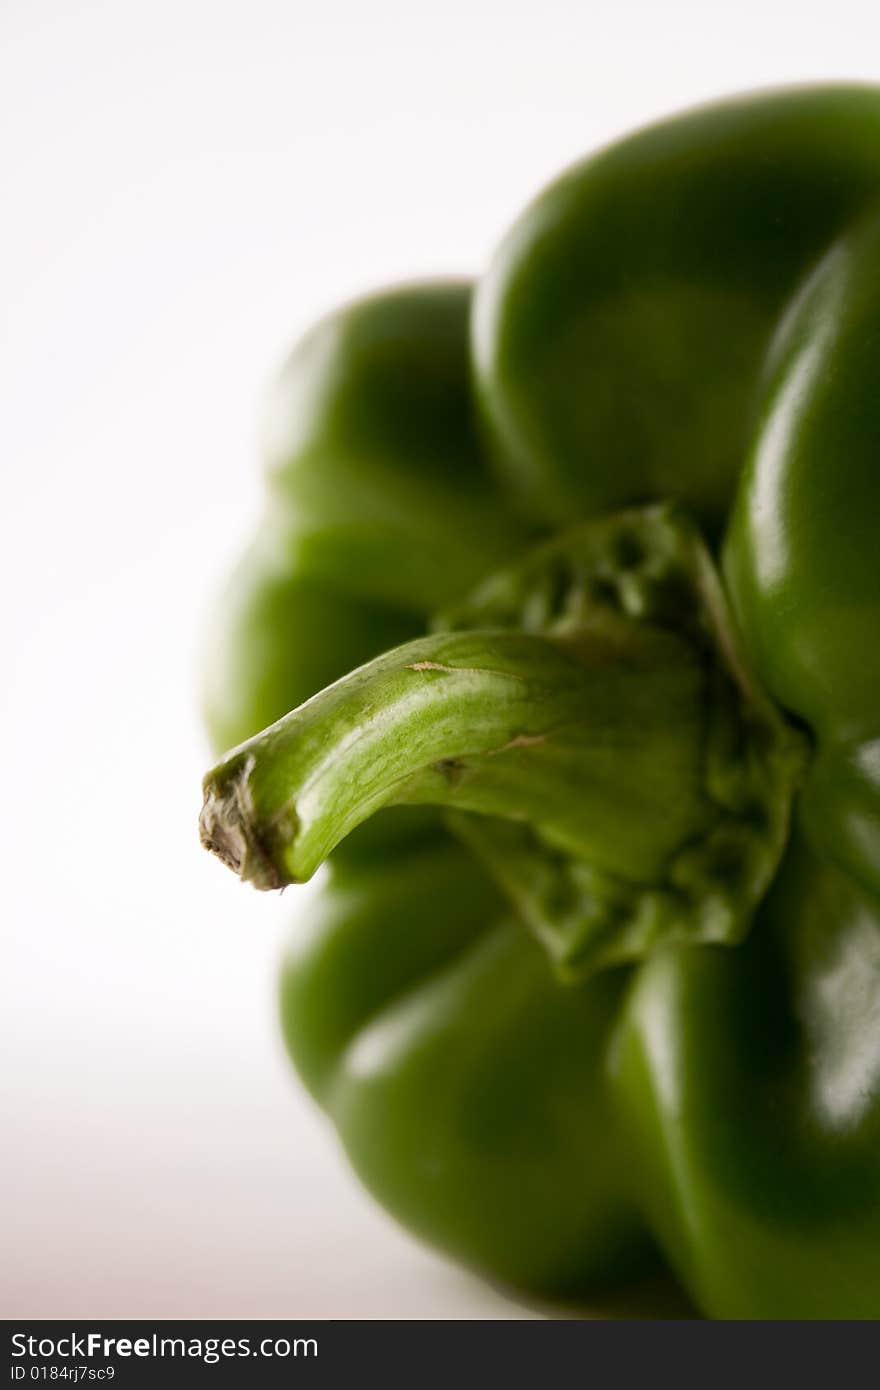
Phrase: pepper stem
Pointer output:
(623, 782)
(581, 738)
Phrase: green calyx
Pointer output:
(588, 722)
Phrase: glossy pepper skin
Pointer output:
(680, 1062)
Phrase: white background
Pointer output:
(186, 184)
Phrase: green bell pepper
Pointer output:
(561, 639)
